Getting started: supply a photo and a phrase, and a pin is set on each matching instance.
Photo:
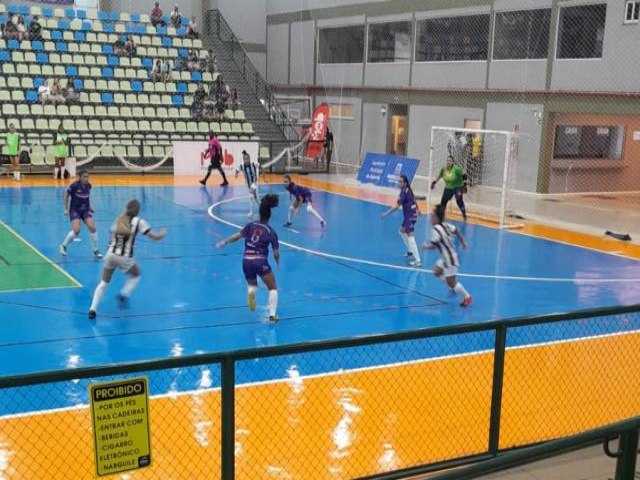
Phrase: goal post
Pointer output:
(489, 160)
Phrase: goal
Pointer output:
(489, 160)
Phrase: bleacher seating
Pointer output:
(117, 99)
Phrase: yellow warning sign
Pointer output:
(120, 415)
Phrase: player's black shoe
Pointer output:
(92, 314)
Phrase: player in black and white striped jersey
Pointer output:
(120, 253)
(447, 266)
(250, 171)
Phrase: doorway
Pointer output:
(397, 138)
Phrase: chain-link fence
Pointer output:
(558, 73)
(414, 401)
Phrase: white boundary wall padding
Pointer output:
(490, 178)
(188, 156)
(289, 153)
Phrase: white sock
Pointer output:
(460, 290)
(252, 289)
(98, 294)
(413, 247)
(15, 175)
(291, 210)
(18, 175)
(55, 172)
(94, 241)
(312, 211)
(68, 239)
(273, 302)
(405, 240)
(131, 284)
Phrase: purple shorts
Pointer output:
(81, 215)
(409, 224)
(306, 198)
(255, 267)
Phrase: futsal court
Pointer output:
(346, 280)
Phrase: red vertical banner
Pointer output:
(318, 131)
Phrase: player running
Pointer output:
(301, 195)
(447, 266)
(79, 209)
(255, 263)
(120, 254)
(410, 214)
(214, 152)
(454, 181)
(250, 172)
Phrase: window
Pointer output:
(389, 42)
(341, 44)
(588, 142)
(581, 31)
(521, 35)
(452, 39)
(632, 11)
(341, 110)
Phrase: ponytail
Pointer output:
(406, 182)
(268, 202)
(123, 223)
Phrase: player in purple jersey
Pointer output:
(301, 195)
(255, 263)
(80, 210)
(410, 214)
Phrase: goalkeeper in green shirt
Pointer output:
(12, 143)
(454, 184)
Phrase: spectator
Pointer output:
(156, 16)
(233, 100)
(211, 62)
(197, 108)
(21, 28)
(166, 70)
(56, 92)
(129, 47)
(35, 29)
(156, 72)
(176, 17)
(118, 46)
(1, 30)
(192, 29)
(328, 148)
(44, 92)
(454, 146)
(70, 93)
(10, 30)
(192, 62)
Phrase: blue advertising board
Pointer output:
(385, 170)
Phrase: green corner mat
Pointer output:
(22, 267)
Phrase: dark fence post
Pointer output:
(496, 391)
(227, 394)
(626, 463)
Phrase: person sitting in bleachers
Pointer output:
(166, 70)
(156, 16)
(211, 62)
(10, 30)
(56, 92)
(192, 62)
(21, 28)
(210, 101)
(129, 47)
(176, 17)
(233, 100)
(70, 94)
(44, 92)
(118, 47)
(35, 29)
(156, 71)
(192, 29)
(198, 105)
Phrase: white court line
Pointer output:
(56, 266)
(277, 381)
(422, 270)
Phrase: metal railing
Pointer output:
(217, 25)
(494, 345)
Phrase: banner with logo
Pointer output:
(385, 170)
(318, 131)
(189, 157)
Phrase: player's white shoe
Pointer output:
(63, 250)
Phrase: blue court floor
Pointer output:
(346, 280)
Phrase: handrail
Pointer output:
(250, 73)
(294, 348)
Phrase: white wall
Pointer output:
(278, 53)
(284, 6)
(247, 18)
(374, 129)
(302, 53)
(423, 117)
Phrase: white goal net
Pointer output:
(489, 161)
